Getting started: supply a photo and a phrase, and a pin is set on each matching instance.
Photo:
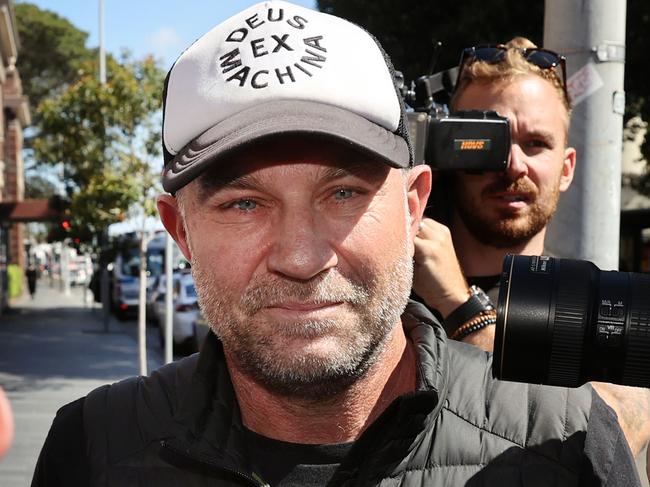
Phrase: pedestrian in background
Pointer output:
(32, 277)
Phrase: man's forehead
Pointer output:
(526, 85)
(323, 158)
(529, 101)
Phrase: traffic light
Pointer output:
(66, 225)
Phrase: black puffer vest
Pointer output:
(182, 426)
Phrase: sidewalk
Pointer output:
(53, 350)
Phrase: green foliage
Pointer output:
(407, 30)
(106, 137)
(636, 82)
(51, 51)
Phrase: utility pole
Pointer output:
(169, 298)
(104, 282)
(592, 36)
(65, 267)
(102, 50)
(142, 300)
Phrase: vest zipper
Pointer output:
(251, 479)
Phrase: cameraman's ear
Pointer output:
(172, 220)
(568, 168)
(417, 193)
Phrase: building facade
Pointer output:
(15, 115)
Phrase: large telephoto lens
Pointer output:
(565, 322)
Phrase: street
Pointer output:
(53, 350)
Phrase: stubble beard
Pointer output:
(373, 304)
(507, 230)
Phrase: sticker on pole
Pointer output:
(583, 83)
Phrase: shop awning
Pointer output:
(27, 211)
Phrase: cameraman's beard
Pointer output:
(373, 302)
(506, 230)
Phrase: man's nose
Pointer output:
(301, 247)
(517, 167)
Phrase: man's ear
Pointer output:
(172, 220)
(568, 168)
(418, 189)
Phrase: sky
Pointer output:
(163, 28)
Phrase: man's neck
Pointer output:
(336, 420)
(478, 259)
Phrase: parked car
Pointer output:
(185, 311)
(156, 290)
(125, 288)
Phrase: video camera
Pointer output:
(565, 322)
(472, 140)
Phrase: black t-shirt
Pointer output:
(285, 464)
(63, 461)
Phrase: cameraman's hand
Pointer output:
(437, 277)
(632, 406)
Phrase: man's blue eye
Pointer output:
(245, 205)
(343, 194)
(536, 143)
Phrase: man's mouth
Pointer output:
(512, 200)
(512, 193)
(304, 306)
(513, 197)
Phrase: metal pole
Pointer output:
(65, 267)
(105, 295)
(169, 296)
(142, 302)
(592, 36)
(86, 281)
(59, 248)
(102, 51)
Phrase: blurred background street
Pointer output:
(54, 349)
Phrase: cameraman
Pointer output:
(493, 214)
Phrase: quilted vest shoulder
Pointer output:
(503, 433)
(125, 422)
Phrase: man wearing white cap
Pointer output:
(294, 195)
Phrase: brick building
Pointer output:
(15, 115)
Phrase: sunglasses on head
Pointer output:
(494, 53)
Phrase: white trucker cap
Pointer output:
(278, 68)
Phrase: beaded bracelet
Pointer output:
(477, 323)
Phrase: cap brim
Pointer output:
(283, 117)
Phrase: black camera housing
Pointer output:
(472, 140)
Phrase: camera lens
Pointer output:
(565, 322)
